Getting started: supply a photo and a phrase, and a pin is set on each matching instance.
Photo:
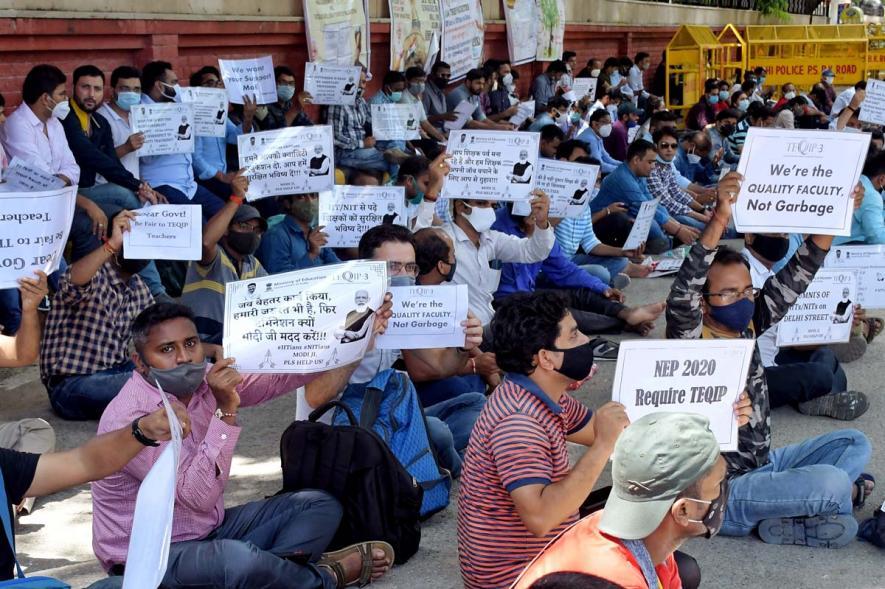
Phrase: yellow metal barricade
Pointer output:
(733, 54)
(876, 51)
(693, 55)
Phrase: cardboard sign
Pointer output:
(823, 314)
(492, 165)
(425, 317)
(292, 160)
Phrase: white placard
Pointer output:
(523, 111)
(292, 160)
(168, 127)
(642, 225)
(823, 313)
(584, 87)
(210, 110)
(349, 211)
(396, 122)
(705, 377)
(463, 112)
(463, 31)
(799, 181)
(872, 109)
(491, 165)
(425, 317)
(253, 77)
(149, 541)
(521, 18)
(331, 84)
(165, 232)
(569, 186)
(868, 263)
(26, 177)
(34, 227)
(665, 267)
(304, 321)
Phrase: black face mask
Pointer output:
(244, 244)
(727, 130)
(577, 362)
(716, 514)
(448, 276)
(770, 247)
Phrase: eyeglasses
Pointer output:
(397, 267)
(668, 145)
(730, 295)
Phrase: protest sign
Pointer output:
(491, 165)
(415, 28)
(331, 84)
(210, 110)
(34, 227)
(523, 111)
(304, 321)
(168, 127)
(799, 181)
(463, 112)
(705, 377)
(293, 160)
(396, 122)
(665, 267)
(521, 30)
(569, 186)
(25, 177)
(347, 212)
(337, 32)
(252, 77)
(165, 232)
(151, 535)
(872, 109)
(425, 317)
(823, 313)
(551, 29)
(584, 87)
(462, 35)
(868, 263)
(642, 225)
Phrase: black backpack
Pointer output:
(381, 500)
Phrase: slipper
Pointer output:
(331, 561)
(605, 351)
(874, 328)
(820, 531)
(862, 491)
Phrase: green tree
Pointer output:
(550, 19)
(775, 8)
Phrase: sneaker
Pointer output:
(621, 281)
(605, 350)
(820, 531)
(396, 156)
(846, 405)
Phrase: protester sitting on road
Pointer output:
(758, 115)
(278, 540)
(125, 93)
(29, 475)
(868, 222)
(450, 420)
(799, 494)
(663, 186)
(392, 90)
(717, 133)
(594, 136)
(296, 242)
(695, 158)
(84, 360)
(434, 99)
(416, 85)
(517, 491)
(230, 240)
(571, 150)
(557, 108)
(422, 181)
(811, 379)
(288, 110)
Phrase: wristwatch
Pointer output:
(139, 435)
(221, 414)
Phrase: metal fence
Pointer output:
(810, 7)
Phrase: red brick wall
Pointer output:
(189, 45)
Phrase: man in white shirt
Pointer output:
(810, 379)
(844, 99)
(477, 246)
(635, 77)
(126, 88)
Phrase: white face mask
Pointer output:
(595, 73)
(851, 130)
(507, 80)
(694, 158)
(482, 218)
(790, 95)
(605, 130)
(61, 110)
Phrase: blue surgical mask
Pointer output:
(744, 104)
(419, 194)
(713, 99)
(575, 118)
(402, 280)
(285, 92)
(736, 316)
(416, 88)
(723, 95)
(396, 96)
(127, 100)
(762, 81)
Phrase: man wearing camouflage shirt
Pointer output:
(799, 494)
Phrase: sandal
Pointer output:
(862, 491)
(874, 328)
(331, 561)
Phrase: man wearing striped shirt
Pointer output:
(517, 492)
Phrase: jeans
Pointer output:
(364, 158)
(811, 478)
(111, 199)
(210, 202)
(593, 313)
(657, 241)
(686, 220)
(449, 424)
(603, 267)
(436, 391)
(802, 375)
(84, 397)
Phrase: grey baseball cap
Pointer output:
(656, 458)
(247, 213)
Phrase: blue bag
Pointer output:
(389, 405)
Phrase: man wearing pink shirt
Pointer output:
(269, 543)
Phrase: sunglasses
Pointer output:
(668, 145)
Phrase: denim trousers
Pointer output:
(811, 478)
(85, 396)
(449, 424)
(210, 201)
(364, 158)
(111, 199)
(603, 267)
(802, 375)
(267, 544)
(691, 222)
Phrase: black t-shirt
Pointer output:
(18, 474)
